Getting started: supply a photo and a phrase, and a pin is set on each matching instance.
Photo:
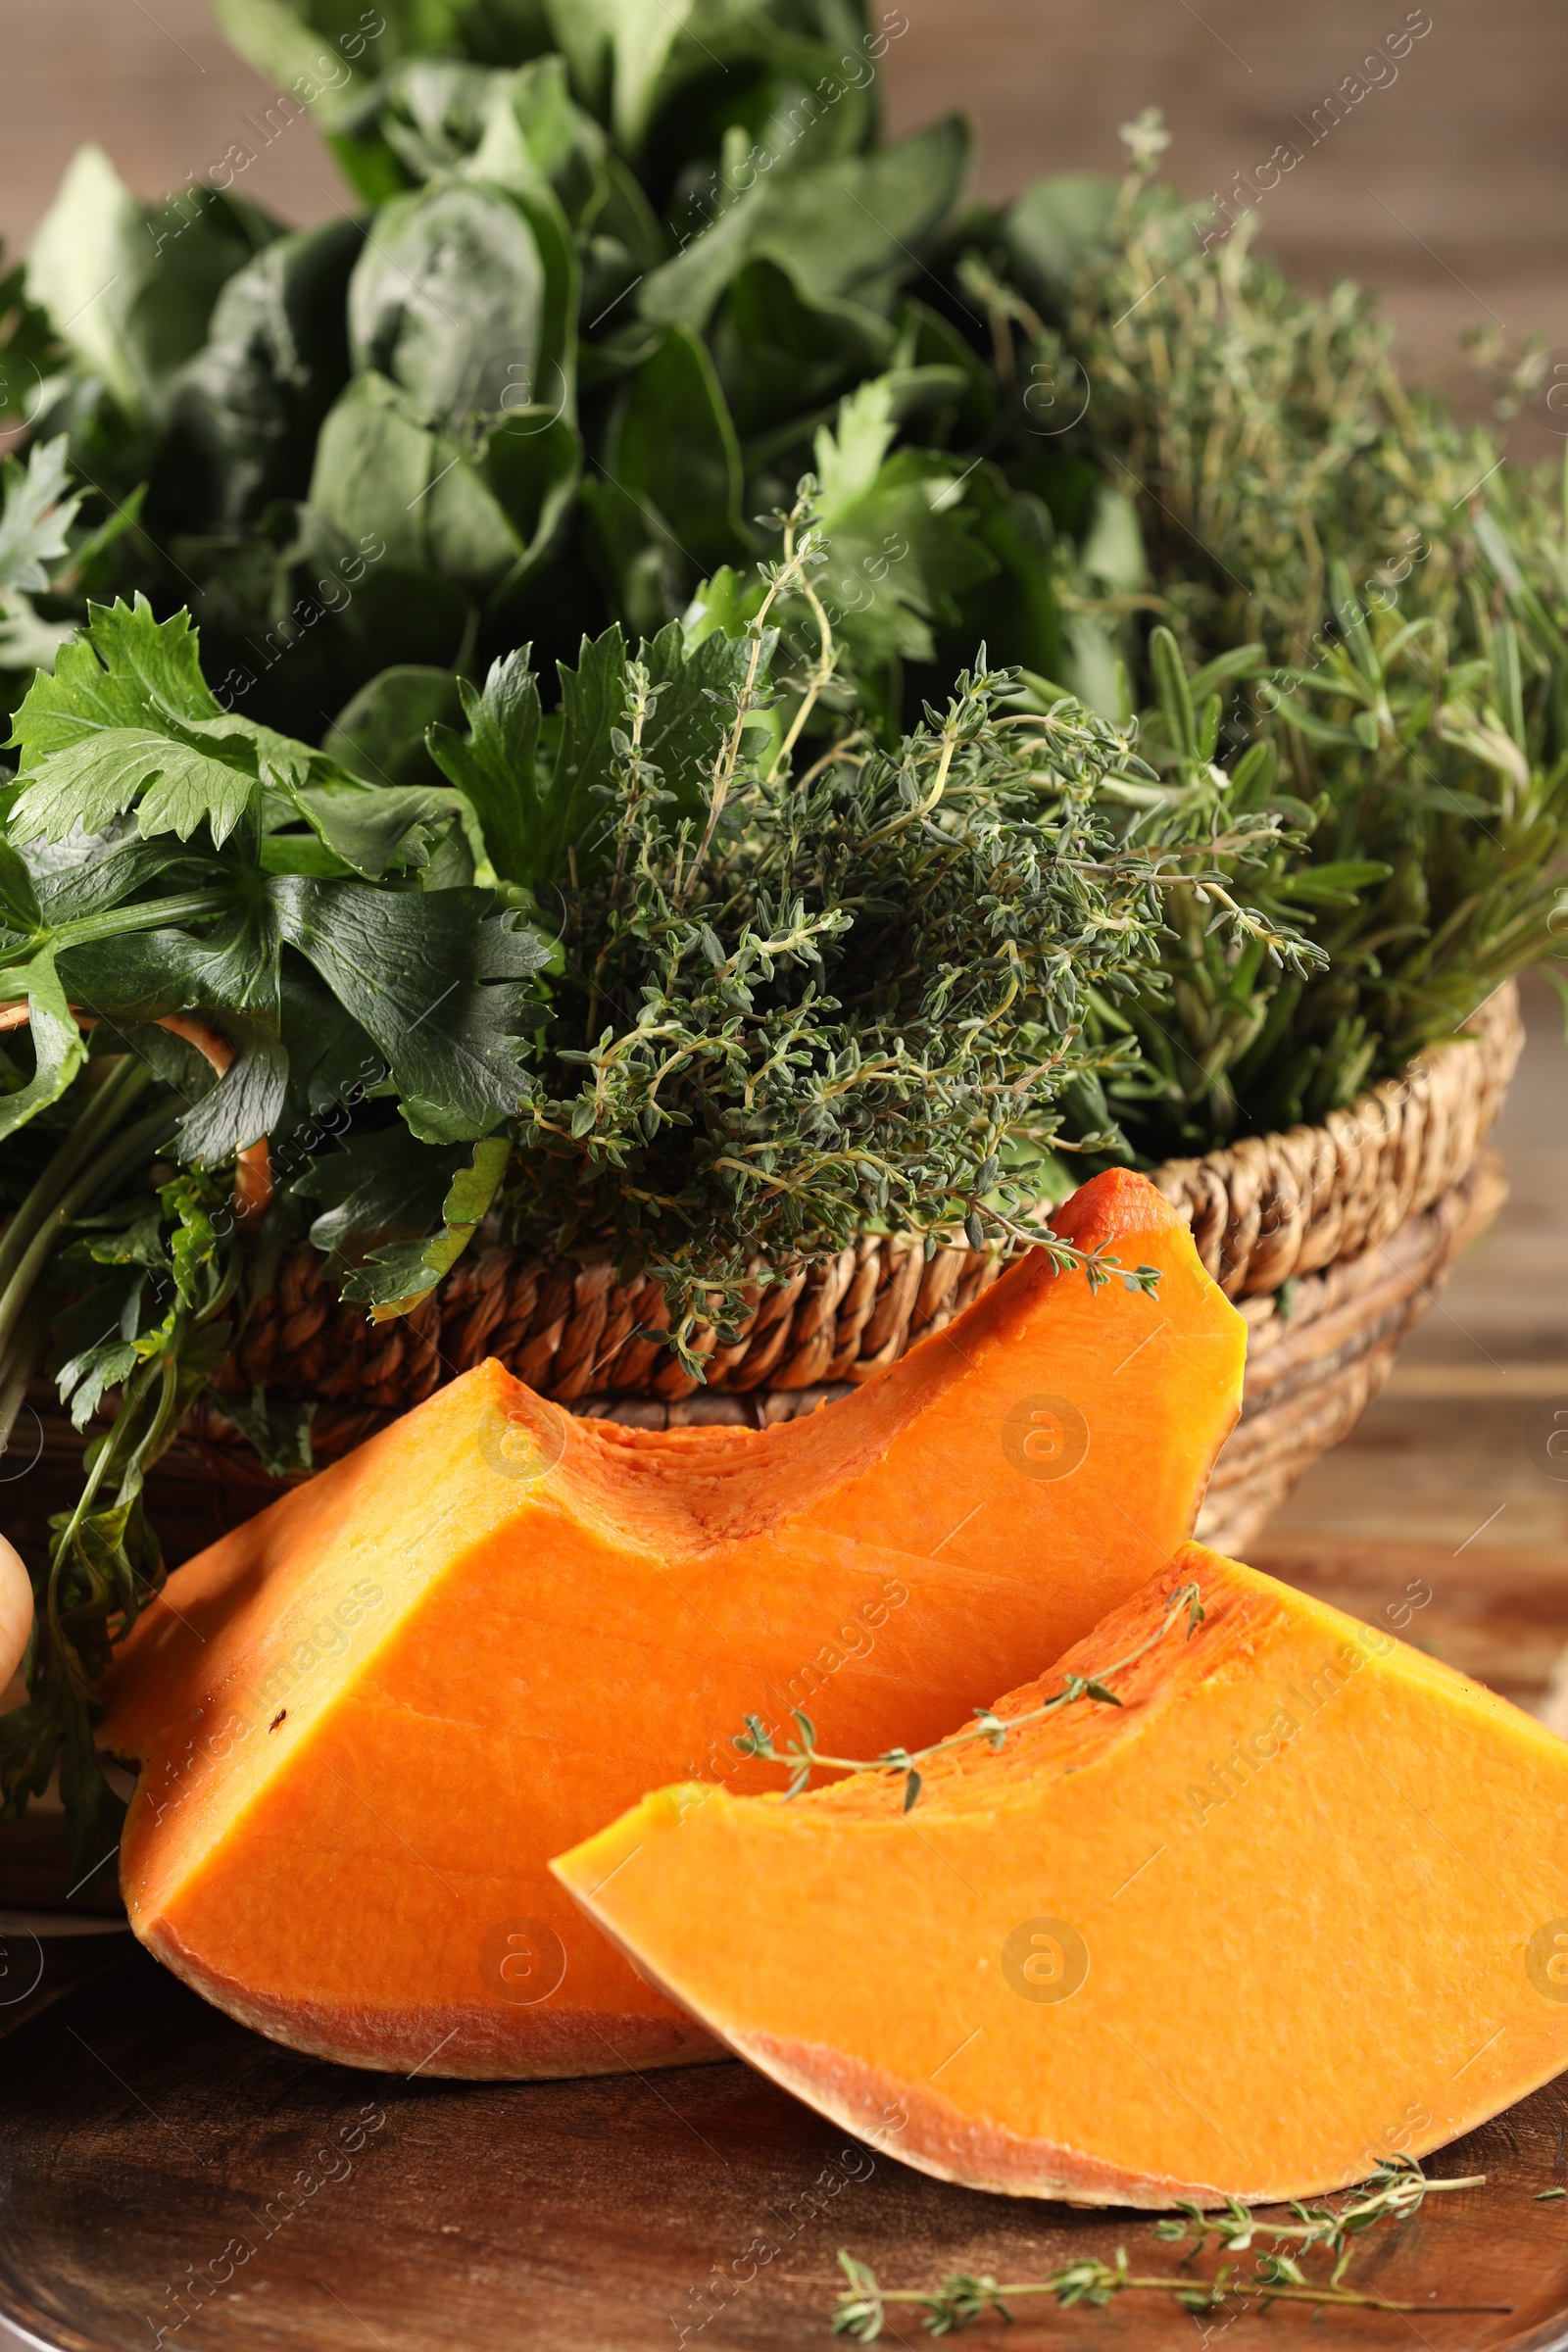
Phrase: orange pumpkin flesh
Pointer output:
(1295, 1905)
(367, 1718)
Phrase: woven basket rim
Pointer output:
(1263, 1212)
(1271, 1207)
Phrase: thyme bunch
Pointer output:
(855, 997)
(804, 1756)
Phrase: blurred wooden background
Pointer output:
(1446, 186)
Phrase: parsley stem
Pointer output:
(130, 1148)
(20, 1362)
(103, 1110)
(144, 915)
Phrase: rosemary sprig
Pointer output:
(963, 2298)
(1397, 2188)
(803, 1755)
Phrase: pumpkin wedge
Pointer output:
(367, 1718)
(1294, 1905)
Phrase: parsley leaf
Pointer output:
(396, 1277)
(434, 979)
(128, 721)
(38, 513)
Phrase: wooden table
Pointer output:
(161, 2168)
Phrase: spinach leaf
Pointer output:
(1056, 230)
(380, 734)
(348, 45)
(382, 472)
(448, 299)
(849, 229)
(532, 464)
(673, 453)
(779, 353)
(244, 413)
(131, 289)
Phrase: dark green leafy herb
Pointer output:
(152, 872)
(607, 312)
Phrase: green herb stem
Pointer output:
(1398, 2189)
(20, 1362)
(104, 1110)
(962, 2301)
(143, 914)
(130, 1148)
(802, 1754)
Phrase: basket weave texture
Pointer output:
(1332, 1239)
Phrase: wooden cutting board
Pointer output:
(161, 2168)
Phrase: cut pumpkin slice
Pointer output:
(367, 1718)
(1294, 1906)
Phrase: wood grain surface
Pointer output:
(162, 2169)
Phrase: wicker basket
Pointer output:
(1332, 1240)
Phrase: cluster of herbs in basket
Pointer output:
(612, 284)
(782, 1002)
(843, 885)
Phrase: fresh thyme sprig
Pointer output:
(802, 1754)
(1397, 2188)
(965, 2299)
